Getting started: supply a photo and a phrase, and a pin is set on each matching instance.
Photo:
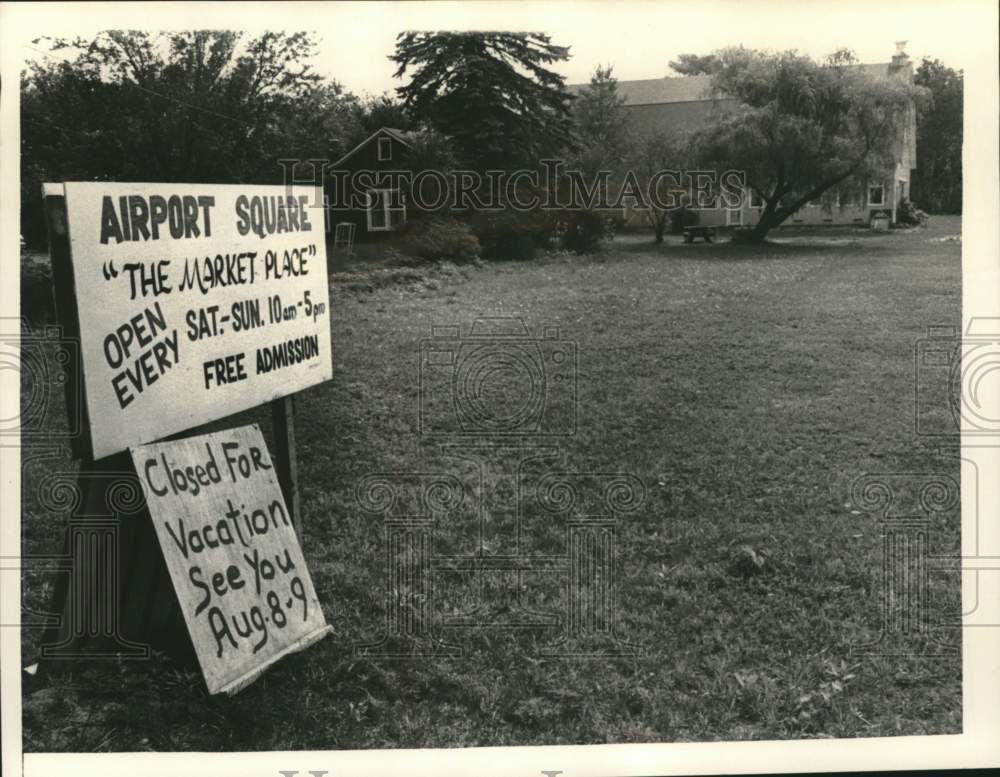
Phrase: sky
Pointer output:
(637, 37)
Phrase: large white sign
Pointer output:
(195, 302)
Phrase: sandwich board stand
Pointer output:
(187, 303)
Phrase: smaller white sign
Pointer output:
(233, 557)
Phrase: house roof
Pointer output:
(877, 69)
(406, 138)
(682, 89)
(656, 91)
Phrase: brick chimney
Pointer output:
(901, 62)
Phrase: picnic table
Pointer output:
(706, 233)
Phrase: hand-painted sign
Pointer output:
(235, 562)
(194, 302)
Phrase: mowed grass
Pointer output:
(747, 388)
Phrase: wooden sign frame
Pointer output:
(156, 619)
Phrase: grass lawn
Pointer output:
(746, 387)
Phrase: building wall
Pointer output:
(812, 214)
(692, 115)
(365, 158)
(679, 117)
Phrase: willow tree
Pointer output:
(799, 128)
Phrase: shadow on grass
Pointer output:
(785, 246)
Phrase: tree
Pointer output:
(203, 106)
(603, 125)
(798, 128)
(429, 150)
(372, 113)
(937, 185)
(490, 92)
(651, 157)
(695, 64)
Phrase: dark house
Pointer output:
(357, 194)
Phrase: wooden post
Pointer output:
(283, 424)
(134, 600)
(67, 317)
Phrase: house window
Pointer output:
(734, 217)
(876, 195)
(384, 149)
(386, 210)
(756, 201)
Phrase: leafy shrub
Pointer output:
(37, 303)
(436, 239)
(682, 217)
(585, 230)
(511, 234)
(909, 214)
(516, 246)
(390, 256)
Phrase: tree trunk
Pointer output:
(759, 232)
(659, 229)
(774, 216)
(764, 224)
(770, 218)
